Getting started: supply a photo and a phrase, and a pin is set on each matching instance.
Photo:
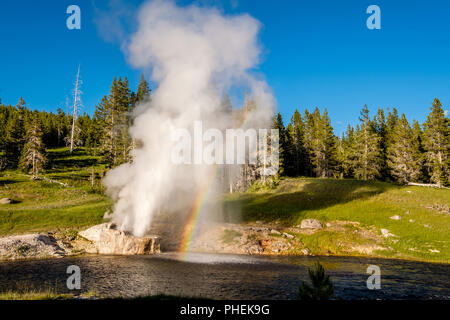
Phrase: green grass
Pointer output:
(370, 203)
(34, 295)
(45, 294)
(41, 206)
(228, 235)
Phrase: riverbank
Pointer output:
(358, 218)
(254, 239)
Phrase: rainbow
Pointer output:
(199, 203)
(196, 211)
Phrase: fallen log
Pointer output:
(429, 185)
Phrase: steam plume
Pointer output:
(195, 54)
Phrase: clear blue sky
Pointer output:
(316, 53)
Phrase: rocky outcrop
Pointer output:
(5, 201)
(311, 224)
(108, 240)
(29, 246)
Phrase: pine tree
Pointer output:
(301, 159)
(322, 288)
(380, 127)
(15, 134)
(418, 141)
(329, 145)
(143, 91)
(289, 154)
(436, 141)
(308, 140)
(323, 145)
(113, 115)
(61, 126)
(367, 149)
(403, 155)
(278, 124)
(124, 116)
(346, 153)
(33, 156)
(225, 104)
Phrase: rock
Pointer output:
(29, 246)
(328, 225)
(5, 201)
(396, 217)
(306, 251)
(385, 233)
(108, 240)
(273, 231)
(311, 224)
(287, 235)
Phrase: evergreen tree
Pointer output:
(367, 151)
(61, 127)
(289, 152)
(436, 141)
(225, 104)
(322, 288)
(418, 140)
(15, 134)
(323, 144)
(278, 124)
(143, 91)
(301, 159)
(380, 127)
(33, 156)
(113, 114)
(346, 153)
(403, 156)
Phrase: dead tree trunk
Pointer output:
(74, 115)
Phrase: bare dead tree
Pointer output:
(76, 102)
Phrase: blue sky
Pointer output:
(315, 53)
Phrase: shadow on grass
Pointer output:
(5, 182)
(62, 159)
(287, 204)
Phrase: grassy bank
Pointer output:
(67, 198)
(422, 233)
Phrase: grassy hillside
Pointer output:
(369, 203)
(46, 205)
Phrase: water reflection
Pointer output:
(228, 276)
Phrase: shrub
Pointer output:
(322, 287)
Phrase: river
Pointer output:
(228, 276)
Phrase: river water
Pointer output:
(228, 276)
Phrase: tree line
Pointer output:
(385, 147)
(25, 134)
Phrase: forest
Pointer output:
(384, 146)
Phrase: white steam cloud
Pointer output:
(195, 54)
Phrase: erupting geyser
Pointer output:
(195, 56)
